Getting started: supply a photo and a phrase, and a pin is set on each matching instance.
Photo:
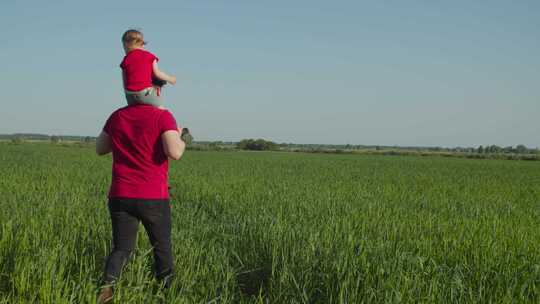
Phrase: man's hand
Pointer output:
(186, 136)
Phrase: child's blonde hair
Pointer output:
(132, 39)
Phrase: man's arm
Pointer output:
(103, 144)
(173, 146)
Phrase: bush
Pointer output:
(17, 140)
(257, 145)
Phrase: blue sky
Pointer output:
(458, 73)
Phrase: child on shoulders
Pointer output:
(140, 73)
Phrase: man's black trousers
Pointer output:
(155, 216)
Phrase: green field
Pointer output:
(279, 228)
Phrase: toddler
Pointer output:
(140, 73)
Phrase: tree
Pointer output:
(480, 150)
(521, 149)
(495, 149)
(55, 139)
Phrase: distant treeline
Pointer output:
(21, 137)
(519, 152)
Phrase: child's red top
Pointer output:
(137, 69)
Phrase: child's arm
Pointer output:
(161, 75)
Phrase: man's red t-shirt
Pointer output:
(140, 166)
(137, 69)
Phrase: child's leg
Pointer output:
(131, 98)
(149, 96)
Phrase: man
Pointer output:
(141, 138)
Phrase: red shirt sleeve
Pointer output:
(167, 122)
(108, 125)
(151, 57)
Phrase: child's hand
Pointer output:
(172, 80)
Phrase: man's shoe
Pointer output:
(105, 296)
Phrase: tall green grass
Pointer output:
(279, 228)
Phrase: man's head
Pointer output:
(132, 39)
